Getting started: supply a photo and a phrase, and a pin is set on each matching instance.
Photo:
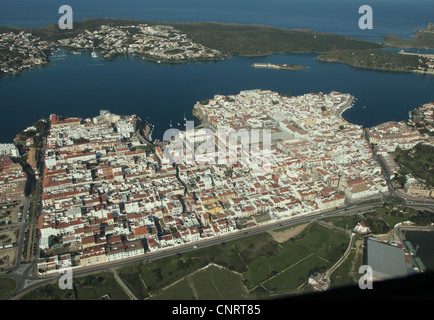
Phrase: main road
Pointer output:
(28, 279)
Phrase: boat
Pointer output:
(94, 54)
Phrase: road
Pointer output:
(28, 279)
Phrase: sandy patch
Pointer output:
(385, 237)
(7, 257)
(289, 232)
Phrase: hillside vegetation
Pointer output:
(245, 40)
(373, 59)
(423, 39)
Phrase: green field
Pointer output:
(50, 292)
(296, 275)
(348, 271)
(318, 245)
(180, 291)
(257, 259)
(254, 267)
(346, 222)
(101, 286)
(216, 283)
(7, 286)
(213, 283)
(381, 220)
(147, 278)
(97, 287)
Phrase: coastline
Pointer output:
(226, 38)
(347, 106)
(344, 107)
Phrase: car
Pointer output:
(195, 246)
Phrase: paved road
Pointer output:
(27, 278)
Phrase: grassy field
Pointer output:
(216, 283)
(97, 287)
(256, 263)
(131, 276)
(417, 161)
(213, 283)
(288, 264)
(346, 222)
(381, 220)
(7, 285)
(347, 273)
(50, 292)
(101, 286)
(163, 272)
(144, 279)
(179, 291)
(320, 246)
(290, 279)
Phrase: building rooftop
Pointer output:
(387, 261)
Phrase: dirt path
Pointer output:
(290, 232)
(124, 286)
(191, 284)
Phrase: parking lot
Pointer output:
(11, 213)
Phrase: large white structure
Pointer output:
(9, 149)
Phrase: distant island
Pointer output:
(290, 67)
(161, 41)
(177, 42)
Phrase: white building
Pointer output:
(125, 250)
(8, 149)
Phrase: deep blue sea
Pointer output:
(82, 85)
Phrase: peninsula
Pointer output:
(163, 41)
(373, 59)
(422, 39)
(176, 42)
